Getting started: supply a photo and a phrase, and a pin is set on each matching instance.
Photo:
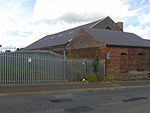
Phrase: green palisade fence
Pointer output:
(42, 67)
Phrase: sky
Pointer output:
(22, 22)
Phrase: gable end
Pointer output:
(107, 23)
(83, 40)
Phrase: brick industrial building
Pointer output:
(127, 55)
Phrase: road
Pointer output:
(135, 100)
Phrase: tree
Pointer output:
(8, 51)
(17, 49)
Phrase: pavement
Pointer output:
(62, 87)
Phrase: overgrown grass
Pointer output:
(109, 79)
(92, 78)
(75, 56)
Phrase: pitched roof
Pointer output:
(117, 38)
(109, 37)
(59, 38)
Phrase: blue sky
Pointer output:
(24, 21)
(143, 7)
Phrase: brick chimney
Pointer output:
(120, 25)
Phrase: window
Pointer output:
(69, 40)
(52, 37)
(123, 54)
(140, 69)
(108, 28)
(140, 54)
(60, 35)
(45, 38)
(70, 32)
(124, 71)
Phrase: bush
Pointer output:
(75, 56)
(95, 62)
(91, 78)
(109, 79)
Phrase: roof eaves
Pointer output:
(116, 45)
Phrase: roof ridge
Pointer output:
(100, 20)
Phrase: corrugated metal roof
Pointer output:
(118, 38)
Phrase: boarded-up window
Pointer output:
(123, 54)
(140, 69)
(108, 28)
(140, 54)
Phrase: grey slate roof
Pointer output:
(59, 38)
(117, 38)
(109, 37)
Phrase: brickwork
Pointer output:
(120, 24)
(127, 61)
(124, 63)
(83, 40)
(83, 52)
(108, 22)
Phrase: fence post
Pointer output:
(84, 67)
(64, 64)
(104, 68)
(0, 67)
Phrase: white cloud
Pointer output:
(143, 32)
(13, 20)
(46, 9)
(144, 19)
(21, 26)
(142, 1)
(53, 16)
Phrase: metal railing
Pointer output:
(37, 67)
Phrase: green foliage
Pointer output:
(17, 49)
(75, 56)
(95, 62)
(91, 78)
(109, 79)
(7, 51)
(73, 70)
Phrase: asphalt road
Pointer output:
(135, 100)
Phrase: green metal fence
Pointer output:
(42, 67)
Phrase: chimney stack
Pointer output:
(120, 25)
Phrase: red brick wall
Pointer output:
(83, 52)
(83, 40)
(124, 63)
(108, 22)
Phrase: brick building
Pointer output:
(127, 55)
